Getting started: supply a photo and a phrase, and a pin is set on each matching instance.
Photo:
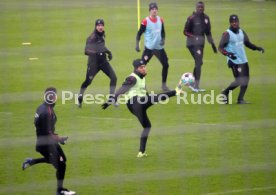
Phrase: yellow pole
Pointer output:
(138, 13)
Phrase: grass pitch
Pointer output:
(193, 149)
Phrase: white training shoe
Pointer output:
(196, 90)
(141, 155)
(201, 90)
(65, 191)
(193, 89)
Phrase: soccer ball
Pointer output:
(187, 79)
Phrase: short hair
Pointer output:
(199, 3)
(153, 5)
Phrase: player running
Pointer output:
(48, 141)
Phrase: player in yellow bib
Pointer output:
(139, 100)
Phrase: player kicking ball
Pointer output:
(138, 100)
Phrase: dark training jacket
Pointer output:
(196, 27)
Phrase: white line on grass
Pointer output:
(121, 178)
(119, 133)
(6, 113)
(243, 190)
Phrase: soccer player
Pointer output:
(48, 141)
(154, 40)
(232, 45)
(96, 51)
(138, 99)
(196, 27)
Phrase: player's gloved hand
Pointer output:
(105, 105)
(109, 55)
(162, 42)
(111, 100)
(63, 140)
(260, 49)
(214, 48)
(231, 55)
(137, 48)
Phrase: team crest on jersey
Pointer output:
(206, 21)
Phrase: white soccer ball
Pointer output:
(187, 79)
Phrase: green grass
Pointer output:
(193, 149)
